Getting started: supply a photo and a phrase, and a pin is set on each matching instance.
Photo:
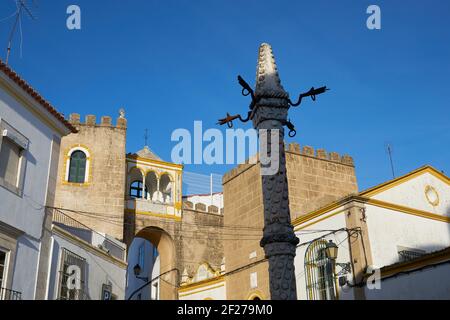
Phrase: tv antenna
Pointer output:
(389, 151)
(21, 8)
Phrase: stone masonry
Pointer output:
(183, 244)
(99, 203)
(314, 178)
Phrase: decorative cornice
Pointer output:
(408, 210)
(136, 158)
(357, 198)
(392, 183)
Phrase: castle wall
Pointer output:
(101, 197)
(315, 179)
(183, 243)
(202, 237)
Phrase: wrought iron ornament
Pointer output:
(269, 110)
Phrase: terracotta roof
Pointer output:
(35, 95)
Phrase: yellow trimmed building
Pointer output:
(378, 233)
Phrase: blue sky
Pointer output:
(169, 63)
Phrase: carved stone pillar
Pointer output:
(279, 240)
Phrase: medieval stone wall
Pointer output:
(314, 178)
(103, 193)
(202, 237)
(183, 244)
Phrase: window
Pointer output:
(10, 155)
(136, 189)
(319, 272)
(155, 253)
(142, 256)
(12, 161)
(77, 167)
(408, 254)
(72, 282)
(2, 269)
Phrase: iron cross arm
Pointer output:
(311, 93)
(247, 90)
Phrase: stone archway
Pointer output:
(165, 245)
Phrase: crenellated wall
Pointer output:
(103, 191)
(315, 179)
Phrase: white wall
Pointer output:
(150, 269)
(26, 212)
(309, 234)
(26, 266)
(389, 229)
(412, 194)
(431, 284)
(216, 200)
(100, 271)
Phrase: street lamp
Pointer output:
(332, 250)
(137, 271)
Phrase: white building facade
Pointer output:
(380, 234)
(139, 284)
(30, 134)
(85, 264)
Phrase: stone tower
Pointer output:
(91, 177)
(314, 179)
(185, 235)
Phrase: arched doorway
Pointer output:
(152, 265)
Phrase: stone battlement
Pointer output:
(294, 148)
(91, 120)
(320, 154)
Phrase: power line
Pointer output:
(105, 218)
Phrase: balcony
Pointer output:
(143, 205)
(7, 294)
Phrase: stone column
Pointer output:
(143, 186)
(279, 240)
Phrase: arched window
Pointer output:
(77, 167)
(165, 186)
(319, 272)
(136, 189)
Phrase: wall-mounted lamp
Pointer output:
(332, 253)
(137, 271)
(332, 250)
